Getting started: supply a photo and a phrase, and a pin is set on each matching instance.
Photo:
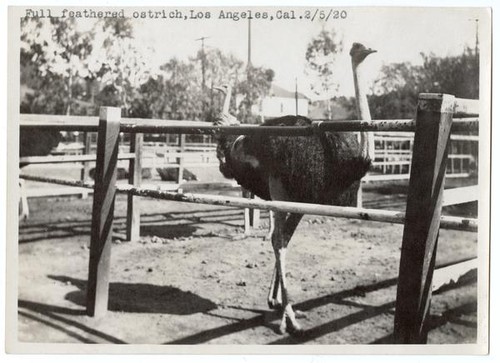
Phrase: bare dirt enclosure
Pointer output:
(189, 281)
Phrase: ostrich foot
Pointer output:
(274, 304)
(299, 314)
(289, 322)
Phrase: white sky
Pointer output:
(398, 34)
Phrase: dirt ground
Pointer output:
(190, 281)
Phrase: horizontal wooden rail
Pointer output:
(392, 151)
(465, 224)
(159, 164)
(385, 177)
(451, 273)
(456, 137)
(377, 215)
(460, 106)
(57, 191)
(407, 136)
(67, 158)
(461, 156)
(397, 162)
(460, 195)
(466, 106)
(69, 182)
(59, 122)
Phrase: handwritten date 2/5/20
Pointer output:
(324, 14)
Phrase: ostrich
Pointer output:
(321, 169)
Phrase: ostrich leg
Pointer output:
(291, 223)
(271, 226)
(284, 228)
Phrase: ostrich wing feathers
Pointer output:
(321, 169)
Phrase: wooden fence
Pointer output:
(422, 220)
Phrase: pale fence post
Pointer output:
(423, 213)
(87, 137)
(135, 179)
(103, 210)
(180, 159)
(85, 172)
(25, 209)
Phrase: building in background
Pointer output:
(281, 102)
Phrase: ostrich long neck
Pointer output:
(366, 138)
(224, 142)
(227, 100)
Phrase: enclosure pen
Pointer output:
(433, 125)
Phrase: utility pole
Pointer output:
(202, 39)
(296, 98)
(249, 63)
(249, 67)
(477, 38)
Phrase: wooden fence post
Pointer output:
(135, 179)
(102, 210)
(423, 213)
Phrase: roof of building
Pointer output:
(317, 110)
(277, 91)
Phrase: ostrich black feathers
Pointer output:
(323, 169)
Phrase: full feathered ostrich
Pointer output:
(322, 169)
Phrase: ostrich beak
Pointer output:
(220, 89)
(370, 51)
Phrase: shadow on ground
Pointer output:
(164, 225)
(146, 298)
(142, 298)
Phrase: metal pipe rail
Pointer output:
(78, 123)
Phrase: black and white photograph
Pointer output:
(273, 179)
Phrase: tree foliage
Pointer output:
(321, 57)
(176, 92)
(396, 90)
(54, 58)
(118, 64)
(256, 85)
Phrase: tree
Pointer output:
(321, 56)
(54, 60)
(254, 87)
(173, 93)
(220, 69)
(176, 92)
(118, 64)
(396, 90)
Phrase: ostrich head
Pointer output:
(359, 52)
(225, 119)
(226, 89)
